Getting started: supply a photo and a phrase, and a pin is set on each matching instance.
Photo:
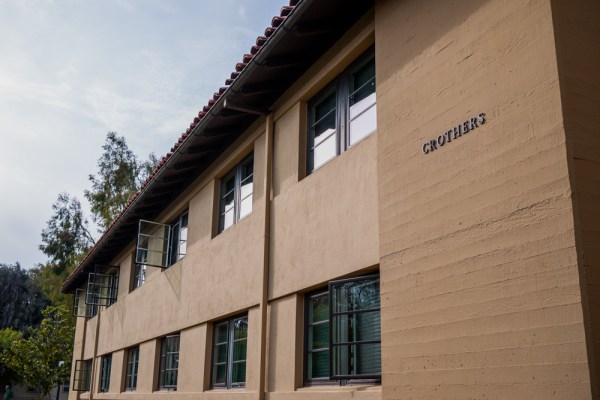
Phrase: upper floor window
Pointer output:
(103, 286)
(343, 331)
(160, 245)
(343, 113)
(178, 239)
(105, 373)
(131, 369)
(80, 308)
(229, 353)
(235, 200)
(139, 275)
(169, 362)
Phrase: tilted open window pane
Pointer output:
(80, 308)
(82, 376)
(102, 288)
(153, 244)
(355, 328)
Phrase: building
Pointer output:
(389, 200)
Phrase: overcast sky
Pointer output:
(73, 70)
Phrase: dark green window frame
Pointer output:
(131, 368)
(105, 373)
(348, 313)
(82, 376)
(229, 351)
(178, 239)
(236, 192)
(169, 363)
(139, 275)
(335, 112)
(80, 308)
(316, 338)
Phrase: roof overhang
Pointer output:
(296, 39)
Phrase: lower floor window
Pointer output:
(82, 376)
(105, 373)
(169, 362)
(131, 371)
(343, 331)
(229, 353)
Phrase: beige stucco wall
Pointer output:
(480, 284)
(325, 226)
(220, 275)
(480, 252)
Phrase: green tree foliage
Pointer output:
(67, 237)
(21, 300)
(120, 175)
(49, 281)
(43, 360)
(7, 337)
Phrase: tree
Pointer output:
(21, 301)
(120, 175)
(7, 337)
(46, 278)
(67, 237)
(43, 360)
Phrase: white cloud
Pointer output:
(72, 70)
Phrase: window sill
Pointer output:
(334, 387)
(232, 227)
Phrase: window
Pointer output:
(169, 362)
(317, 337)
(131, 369)
(343, 113)
(82, 376)
(139, 275)
(343, 331)
(105, 373)
(229, 353)
(80, 308)
(159, 245)
(235, 201)
(103, 285)
(178, 239)
(65, 387)
(30, 389)
(153, 244)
